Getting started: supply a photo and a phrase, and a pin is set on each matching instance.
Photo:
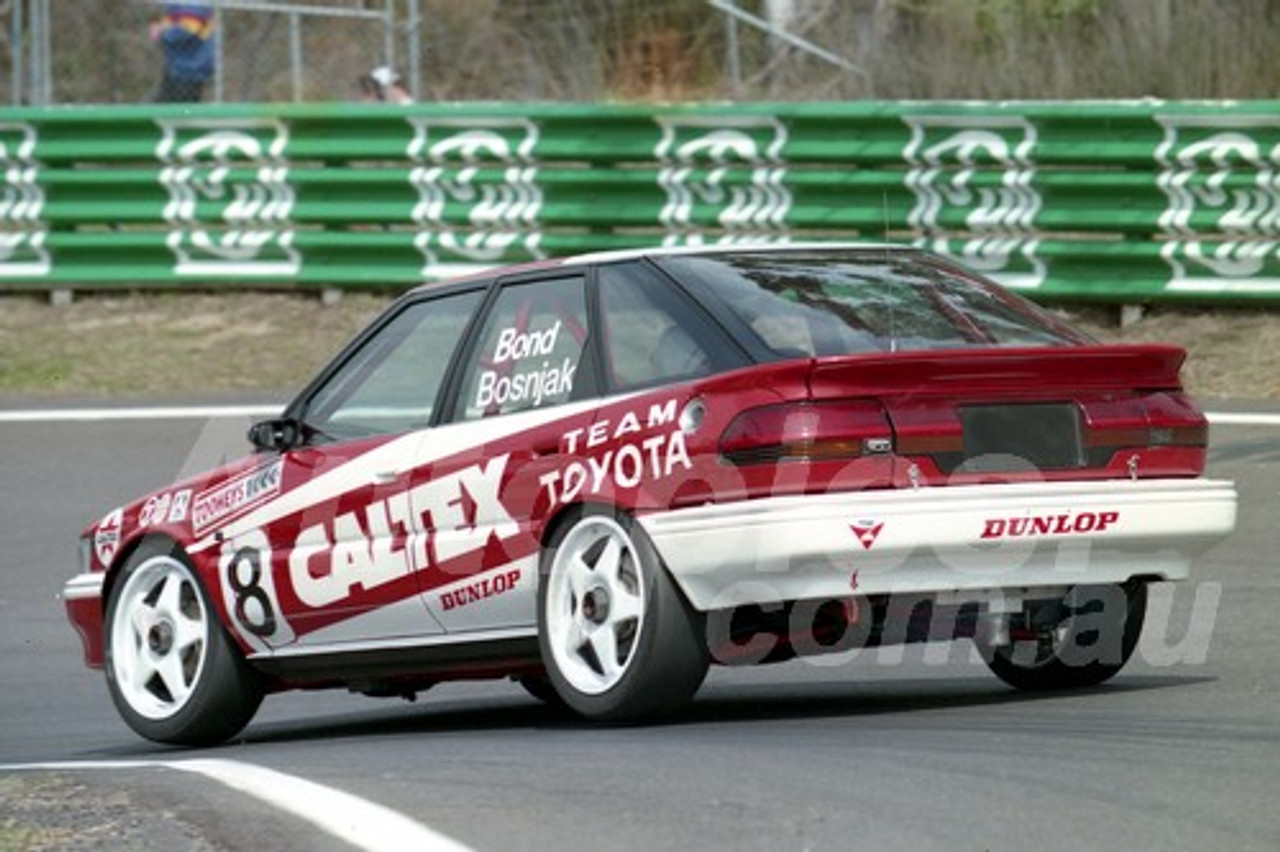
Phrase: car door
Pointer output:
(526, 381)
(343, 549)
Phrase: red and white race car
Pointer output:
(599, 475)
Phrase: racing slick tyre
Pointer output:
(173, 673)
(1086, 640)
(618, 640)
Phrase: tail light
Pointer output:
(1173, 420)
(1160, 420)
(807, 431)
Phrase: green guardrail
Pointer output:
(1136, 201)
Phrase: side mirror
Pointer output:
(274, 435)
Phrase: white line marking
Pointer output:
(209, 412)
(93, 415)
(1239, 418)
(357, 821)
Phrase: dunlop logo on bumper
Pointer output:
(1066, 523)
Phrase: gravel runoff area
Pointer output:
(152, 345)
(70, 812)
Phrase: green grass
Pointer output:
(166, 344)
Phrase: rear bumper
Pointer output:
(82, 598)
(979, 539)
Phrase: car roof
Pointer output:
(619, 255)
(720, 248)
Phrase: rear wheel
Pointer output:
(173, 673)
(1083, 640)
(618, 639)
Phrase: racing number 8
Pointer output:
(261, 619)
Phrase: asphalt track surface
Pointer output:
(929, 751)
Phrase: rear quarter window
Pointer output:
(652, 334)
(838, 302)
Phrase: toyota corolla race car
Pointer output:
(600, 475)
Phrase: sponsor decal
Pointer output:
(1221, 178)
(106, 538)
(165, 508)
(529, 388)
(478, 195)
(616, 456)
(178, 506)
(230, 200)
(1064, 523)
(233, 497)
(385, 542)
(485, 587)
(726, 171)
(154, 510)
(249, 591)
(22, 234)
(866, 531)
(948, 157)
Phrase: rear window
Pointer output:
(840, 302)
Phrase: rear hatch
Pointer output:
(1078, 412)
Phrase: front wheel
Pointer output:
(617, 638)
(541, 688)
(1080, 641)
(172, 672)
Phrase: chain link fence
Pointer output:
(106, 51)
(100, 52)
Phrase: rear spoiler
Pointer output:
(950, 372)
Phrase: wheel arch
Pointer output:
(565, 515)
(127, 550)
(171, 545)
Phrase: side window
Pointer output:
(528, 350)
(652, 334)
(392, 382)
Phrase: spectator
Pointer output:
(383, 84)
(185, 33)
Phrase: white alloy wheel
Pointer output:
(595, 608)
(159, 638)
(618, 639)
(173, 673)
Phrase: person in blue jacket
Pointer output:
(185, 34)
